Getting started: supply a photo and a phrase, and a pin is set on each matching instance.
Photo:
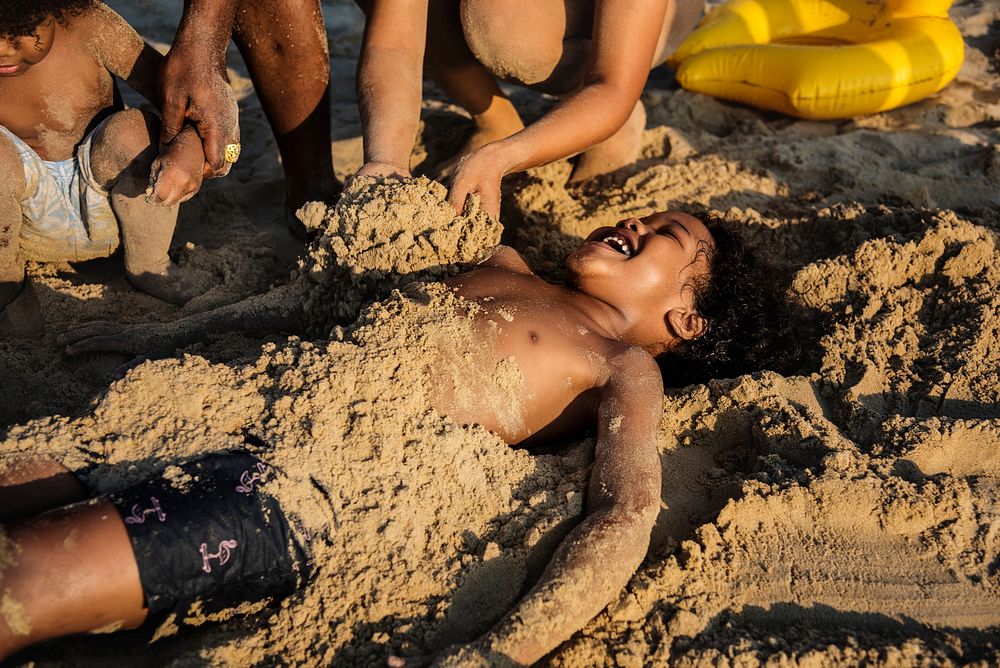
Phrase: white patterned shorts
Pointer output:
(66, 214)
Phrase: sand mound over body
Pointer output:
(841, 517)
(385, 233)
(425, 531)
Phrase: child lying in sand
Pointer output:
(580, 355)
(73, 171)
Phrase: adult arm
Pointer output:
(193, 85)
(177, 173)
(624, 40)
(390, 85)
(595, 561)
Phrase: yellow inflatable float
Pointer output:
(822, 59)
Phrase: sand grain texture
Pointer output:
(841, 516)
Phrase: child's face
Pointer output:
(644, 267)
(20, 53)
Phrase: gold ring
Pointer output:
(232, 153)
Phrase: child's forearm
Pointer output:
(590, 568)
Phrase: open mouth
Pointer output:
(618, 243)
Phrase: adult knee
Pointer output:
(125, 145)
(520, 41)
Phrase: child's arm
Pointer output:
(625, 36)
(176, 176)
(596, 560)
(281, 309)
(120, 49)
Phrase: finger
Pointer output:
(457, 196)
(215, 151)
(100, 344)
(172, 120)
(120, 371)
(87, 330)
(490, 203)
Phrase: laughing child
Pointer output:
(79, 175)
(644, 289)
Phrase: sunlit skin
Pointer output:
(595, 55)
(57, 86)
(584, 353)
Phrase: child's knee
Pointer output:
(125, 144)
(11, 173)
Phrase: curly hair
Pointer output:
(749, 318)
(21, 18)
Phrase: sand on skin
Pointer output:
(846, 514)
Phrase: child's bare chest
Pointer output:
(532, 373)
(52, 106)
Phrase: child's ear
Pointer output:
(686, 324)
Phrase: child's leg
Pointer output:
(122, 154)
(19, 314)
(71, 570)
(29, 486)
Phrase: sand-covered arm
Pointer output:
(389, 81)
(281, 309)
(597, 558)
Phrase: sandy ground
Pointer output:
(844, 515)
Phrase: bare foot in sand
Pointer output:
(174, 284)
(500, 121)
(22, 318)
(618, 150)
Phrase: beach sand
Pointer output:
(847, 514)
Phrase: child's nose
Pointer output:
(633, 224)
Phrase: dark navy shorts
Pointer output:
(207, 530)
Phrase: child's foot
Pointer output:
(22, 318)
(500, 121)
(174, 284)
(618, 150)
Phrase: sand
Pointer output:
(842, 514)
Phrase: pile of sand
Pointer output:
(844, 515)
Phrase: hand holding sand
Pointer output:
(478, 173)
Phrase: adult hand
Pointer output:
(195, 91)
(383, 169)
(478, 173)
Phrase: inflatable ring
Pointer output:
(822, 59)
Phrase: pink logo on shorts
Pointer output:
(225, 549)
(139, 513)
(247, 479)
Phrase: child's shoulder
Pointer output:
(98, 26)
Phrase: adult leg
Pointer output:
(284, 45)
(550, 55)
(121, 157)
(71, 570)
(19, 314)
(450, 64)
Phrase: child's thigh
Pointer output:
(126, 140)
(12, 182)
